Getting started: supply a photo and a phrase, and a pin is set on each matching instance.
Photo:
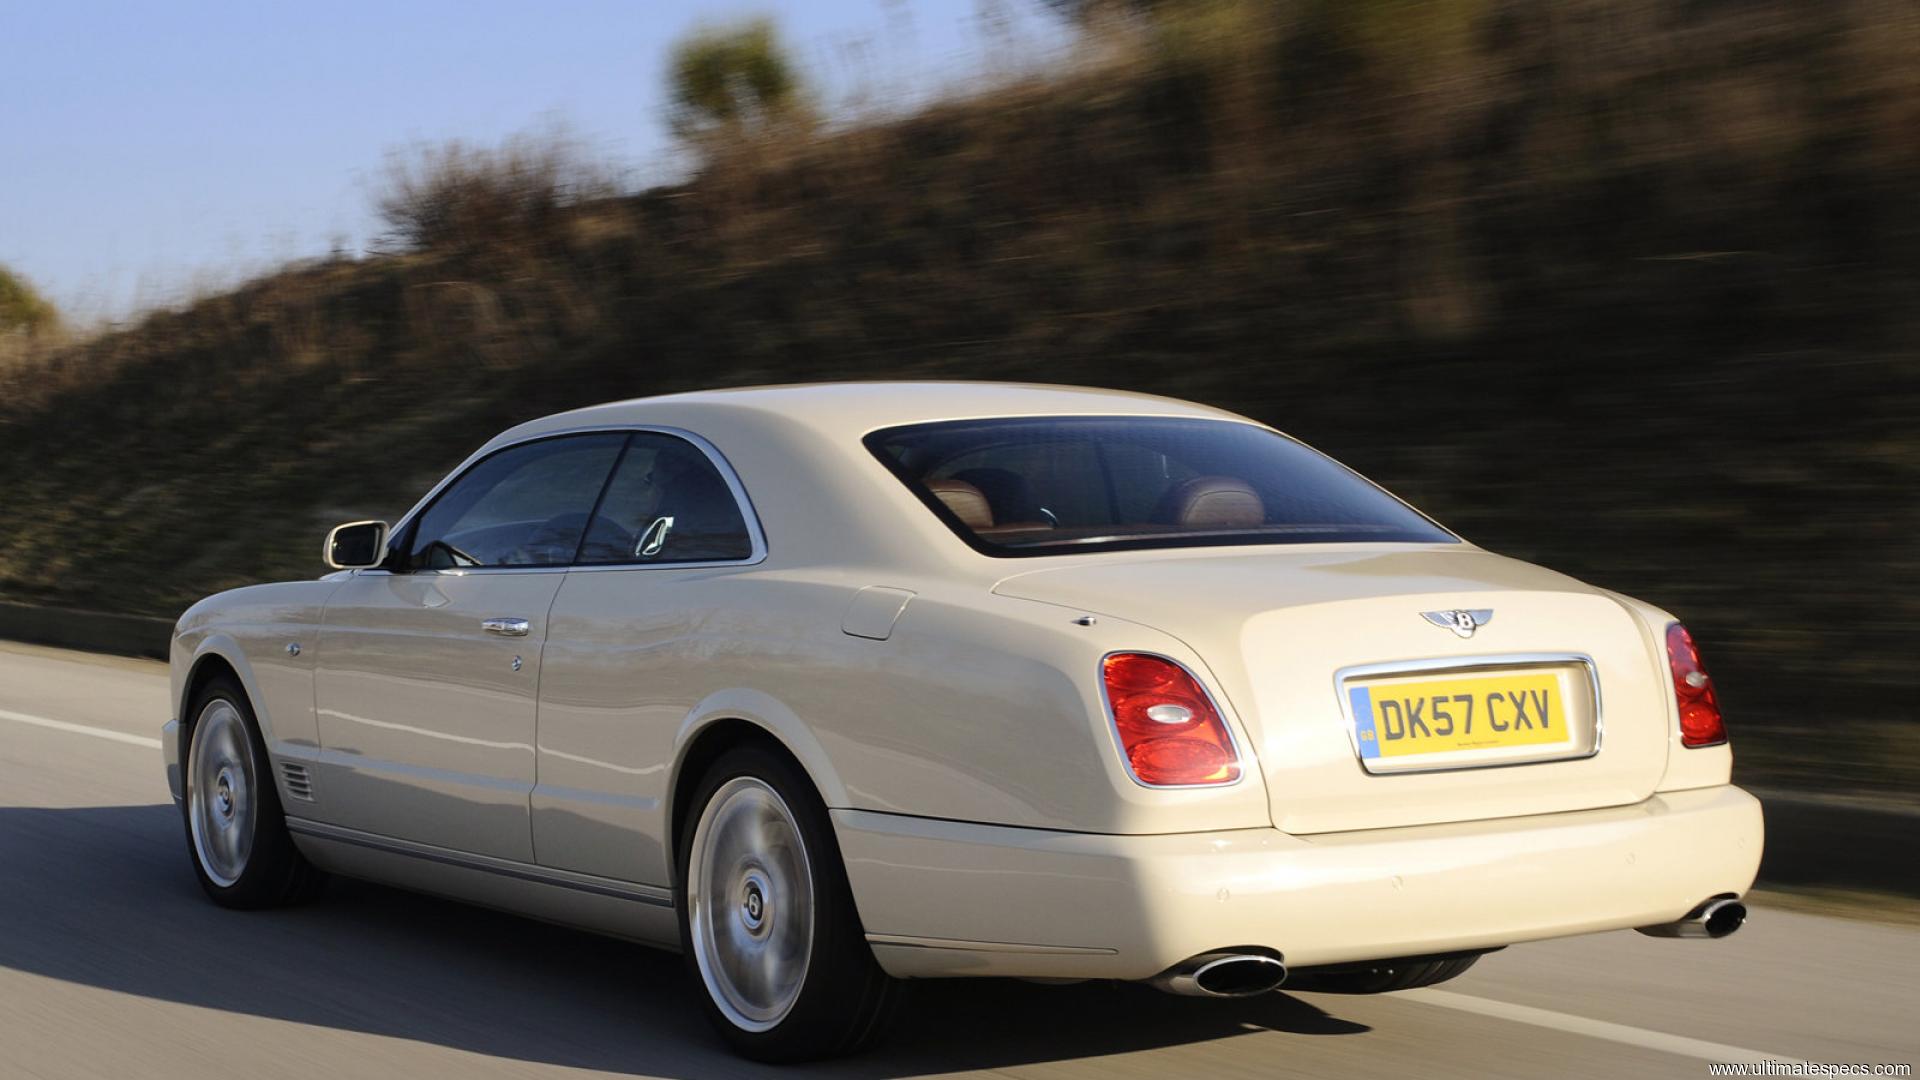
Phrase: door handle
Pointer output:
(654, 538)
(506, 627)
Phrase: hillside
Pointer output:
(1624, 288)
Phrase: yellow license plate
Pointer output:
(1458, 713)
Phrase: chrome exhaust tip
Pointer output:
(1714, 919)
(1220, 974)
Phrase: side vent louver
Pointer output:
(299, 784)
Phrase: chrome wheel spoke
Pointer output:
(220, 792)
(750, 903)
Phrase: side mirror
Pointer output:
(357, 545)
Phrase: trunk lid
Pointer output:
(1322, 650)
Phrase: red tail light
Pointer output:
(1169, 730)
(1700, 720)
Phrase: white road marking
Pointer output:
(1598, 1029)
(81, 729)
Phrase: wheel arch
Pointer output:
(727, 720)
(217, 656)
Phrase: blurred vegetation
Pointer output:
(461, 196)
(1085, 12)
(22, 309)
(1622, 286)
(731, 79)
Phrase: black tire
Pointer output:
(1384, 976)
(272, 873)
(844, 1002)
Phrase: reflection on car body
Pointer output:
(839, 686)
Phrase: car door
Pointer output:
(425, 684)
(637, 635)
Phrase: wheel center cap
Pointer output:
(223, 796)
(753, 905)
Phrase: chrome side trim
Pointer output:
(755, 533)
(1120, 745)
(908, 941)
(596, 568)
(1459, 665)
(463, 571)
(540, 875)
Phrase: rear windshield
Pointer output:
(1052, 485)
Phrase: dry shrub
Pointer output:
(461, 196)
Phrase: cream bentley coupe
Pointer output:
(832, 687)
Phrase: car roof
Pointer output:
(855, 408)
(797, 451)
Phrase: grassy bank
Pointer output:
(1625, 288)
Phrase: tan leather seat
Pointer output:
(1008, 494)
(967, 502)
(1213, 502)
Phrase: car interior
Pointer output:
(1072, 482)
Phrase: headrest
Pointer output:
(1007, 492)
(1213, 502)
(966, 501)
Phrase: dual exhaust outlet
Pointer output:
(1222, 974)
(1231, 974)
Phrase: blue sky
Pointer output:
(148, 150)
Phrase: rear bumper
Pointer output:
(943, 898)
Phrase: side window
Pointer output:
(666, 503)
(524, 506)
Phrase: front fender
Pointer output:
(189, 656)
(213, 648)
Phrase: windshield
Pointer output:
(1051, 485)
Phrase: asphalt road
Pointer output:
(112, 964)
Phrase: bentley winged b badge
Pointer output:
(1460, 620)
